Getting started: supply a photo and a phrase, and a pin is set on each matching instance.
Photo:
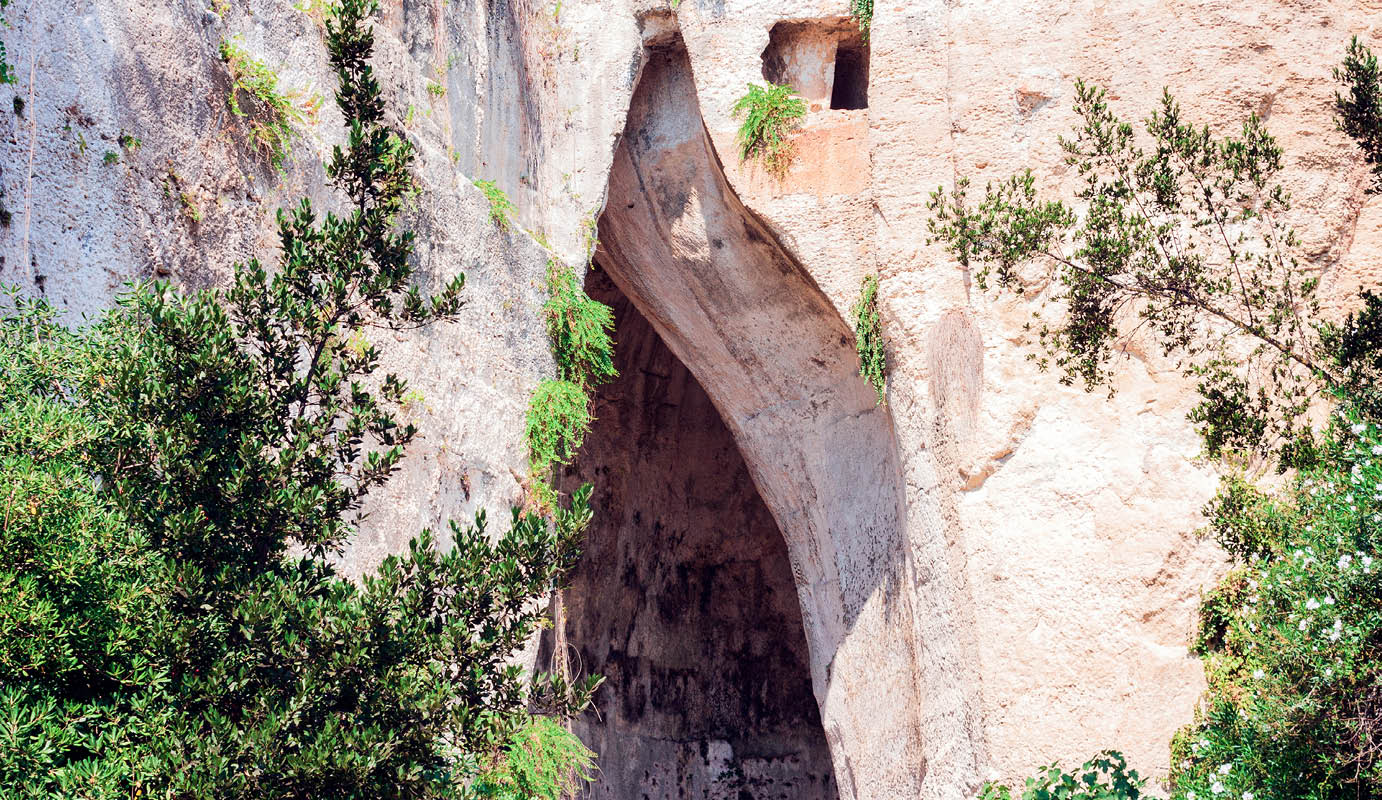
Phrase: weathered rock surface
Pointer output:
(991, 572)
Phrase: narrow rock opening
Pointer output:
(851, 89)
(684, 598)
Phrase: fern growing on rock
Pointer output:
(501, 208)
(579, 329)
(770, 113)
(269, 111)
(868, 339)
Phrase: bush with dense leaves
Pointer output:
(176, 480)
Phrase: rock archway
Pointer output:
(684, 599)
(777, 362)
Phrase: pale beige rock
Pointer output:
(994, 572)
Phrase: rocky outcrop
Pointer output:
(991, 572)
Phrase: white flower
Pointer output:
(1190, 796)
(1358, 428)
(1329, 673)
(1259, 674)
(1377, 449)
(1367, 561)
(1312, 604)
(1217, 788)
(1345, 560)
(1247, 795)
(1225, 769)
(1329, 601)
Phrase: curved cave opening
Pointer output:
(684, 598)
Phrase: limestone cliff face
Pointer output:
(795, 593)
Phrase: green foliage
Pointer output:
(862, 11)
(543, 761)
(557, 422)
(110, 158)
(1360, 113)
(868, 338)
(269, 111)
(435, 89)
(501, 209)
(1186, 240)
(176, 481)
(7, 75)
(770, 114)
(1104, 777)
(579, 328)
(1292, 636)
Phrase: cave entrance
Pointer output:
(684, 598)
(851, 90)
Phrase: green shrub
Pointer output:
(269, 111)
(770, 114)
(1359, 114)
(178, 480)
(579, 328)
(557, 422)
(7, 75)
(501, 209)
(868, 339)
(543, 761)
(1104, 777)
(1292, 636)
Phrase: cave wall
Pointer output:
(684, 599)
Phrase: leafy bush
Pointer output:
(543, 761)
(868, 339)
(501, 209)
(1360, 113)
(177, 480)
(770, 114)
(7, 75)
(1104, 777)
(1292, 636)
(269, 111)
(579, 328)
(558, 420)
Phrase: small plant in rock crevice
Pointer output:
(770, 113)
(862, 12)
(543, 761)
(868, 339)
(557, 421)
(501, 208)
(269, 111)
(7, 75)
(579, 328)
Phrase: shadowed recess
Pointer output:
(684, 599)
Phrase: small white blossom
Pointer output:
(1312, 604)
(1358, 428)
(1217, 788)
(1259, 674)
